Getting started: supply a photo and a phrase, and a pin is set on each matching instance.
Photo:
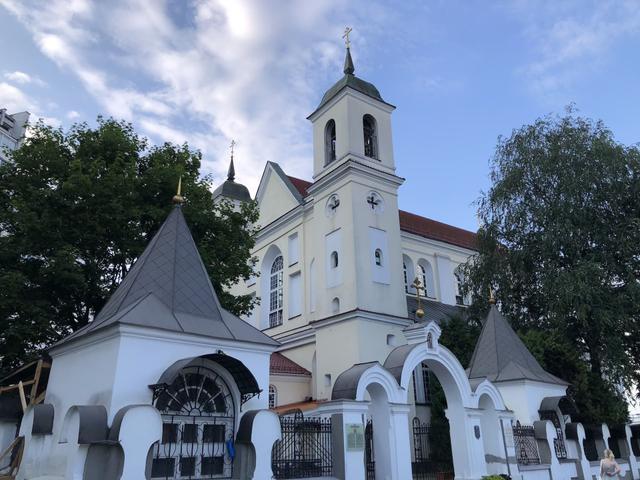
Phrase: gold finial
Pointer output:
(178, 199)
(418, 286)
(347, 31)
(492, 299)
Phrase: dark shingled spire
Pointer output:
(168, 288)
(348, 63)
(231, 174)
(501, 356)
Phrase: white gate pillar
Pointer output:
(347, 432)
(401, 447)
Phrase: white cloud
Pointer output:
(73, 115)
(15, 100)
(23, 78)
(206, 71)
(571, 38)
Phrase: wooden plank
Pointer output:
(40, 398)
(23, 399)
(36, 382)
(10, 447)
(8, 388)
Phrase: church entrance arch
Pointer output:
(468, 459)
(198, 411)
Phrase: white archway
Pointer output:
(463, 411)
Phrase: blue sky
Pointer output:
(461, 73)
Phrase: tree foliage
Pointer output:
(76, 210)
(560, 245)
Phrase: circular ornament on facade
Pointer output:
(332, 205)
(375, 202)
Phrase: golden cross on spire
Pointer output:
(232, 146)
(417, 285)
(347, 31)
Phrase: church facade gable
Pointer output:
(276, 195)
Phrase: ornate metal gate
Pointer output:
(423, 467)
(305, 449)
(198, 422)
(369, 453)
(526, 444)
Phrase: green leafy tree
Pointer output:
(78, 207)
(560, 244)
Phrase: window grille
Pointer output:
(198, 421)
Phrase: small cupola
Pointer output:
(231, 190)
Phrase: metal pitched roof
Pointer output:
(168, 288)
(434, 311)
(501, 356)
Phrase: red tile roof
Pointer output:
(281, 365)
(301, 185)
(423, 226)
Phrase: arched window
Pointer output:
(425, 273)
(330, 142)
(273, 396)
(198, 417)
(378, 257)
(334, 259)
(369, 129)
(406, 277)
(460, 300)
(276, 292)
(421, 391)
(335, 305)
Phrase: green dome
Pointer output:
(351, 81)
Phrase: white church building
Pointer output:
(329, 377)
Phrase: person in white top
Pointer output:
(609, 468)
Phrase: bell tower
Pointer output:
(355, 195)
(352, 121)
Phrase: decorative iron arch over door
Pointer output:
(198, 424)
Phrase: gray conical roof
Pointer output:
(501, 356)
(168, 288)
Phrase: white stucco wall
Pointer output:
(524, 397)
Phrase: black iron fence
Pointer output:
(526, 445)
(369, 452)
(305, 449)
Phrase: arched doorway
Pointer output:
(198, 418)
(462, 412)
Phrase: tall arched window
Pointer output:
(406, 277)
(459, 297)
(369, 130)
(275, 292)
(273, 396)
(425, 272)
(330, 142)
